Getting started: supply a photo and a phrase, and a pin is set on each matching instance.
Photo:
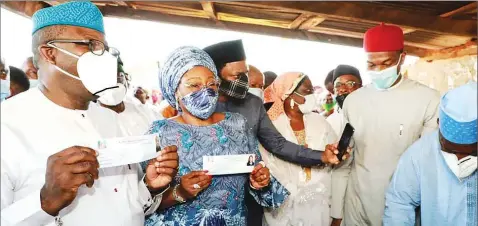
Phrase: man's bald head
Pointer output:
(256, 78)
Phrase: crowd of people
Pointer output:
(412, 159)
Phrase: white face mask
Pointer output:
(309, 105)
(113, 97)
(257, 92)
(461, 168)
(34, 83)
(97, 73)
(384, 79)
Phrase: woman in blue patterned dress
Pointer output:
(189, 82)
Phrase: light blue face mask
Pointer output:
(384, 79)
(4, 89)
(34, 83)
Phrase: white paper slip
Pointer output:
(228, 164)
(125, 150)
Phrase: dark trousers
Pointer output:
(254, 211)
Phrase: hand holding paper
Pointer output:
(161, 170)
(260, 177)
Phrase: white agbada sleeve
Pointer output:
(26, 211)
(340, 177)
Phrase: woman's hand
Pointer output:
(193, 183)
(260, 176)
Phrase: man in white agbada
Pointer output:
(388, 116)
(346, 79)
(47, 176)
(131, 118)
(438, 172)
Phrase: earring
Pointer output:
(292, 103)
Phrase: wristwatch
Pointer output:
(176, 196)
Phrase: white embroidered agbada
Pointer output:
(118, 197)
(309, 201)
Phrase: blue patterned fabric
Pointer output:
(423, 178)
(80, 14)
(471, 200)
(222, 203)
(458, 114)
(178, 63)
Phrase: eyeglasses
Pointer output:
(199, 86)
(95, 46)
(348, 84)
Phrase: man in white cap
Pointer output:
(438, 172)
(49, 173)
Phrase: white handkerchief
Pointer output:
(125, 150)
(229, 164)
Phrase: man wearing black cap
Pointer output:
(346, 79)
(230, 60)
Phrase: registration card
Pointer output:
(125, 150)
(229, 164)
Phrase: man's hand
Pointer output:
(260, 177)
(66, 171)
(161, 170)
(330, 154)
(336, 222)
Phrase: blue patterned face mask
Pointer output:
(201, 103)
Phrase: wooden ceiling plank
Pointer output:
(189, 13)
(299, 20)
(208, 7)
(24, 8)
(123, 12)
(358, 11)
(245, 20)
(122, 3)
(311, 22)
(463, 9)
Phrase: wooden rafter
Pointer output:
(208, 7)
(311, 23)
(361, 12)
(332, 31)
(470, 7)
(242, 27)
(299, 20)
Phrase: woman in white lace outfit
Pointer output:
(292, 114)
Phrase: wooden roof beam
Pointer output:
(24, 8)
(311, 23)
(124, 12)
(470, 7)
(208, 7)
(365, 12)
(299, 20)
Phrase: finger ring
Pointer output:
(196, 186)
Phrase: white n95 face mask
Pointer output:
(97, 73)
(466, 166)
(113, 97)
(461, 168)
(309, 105)
(257, 92)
